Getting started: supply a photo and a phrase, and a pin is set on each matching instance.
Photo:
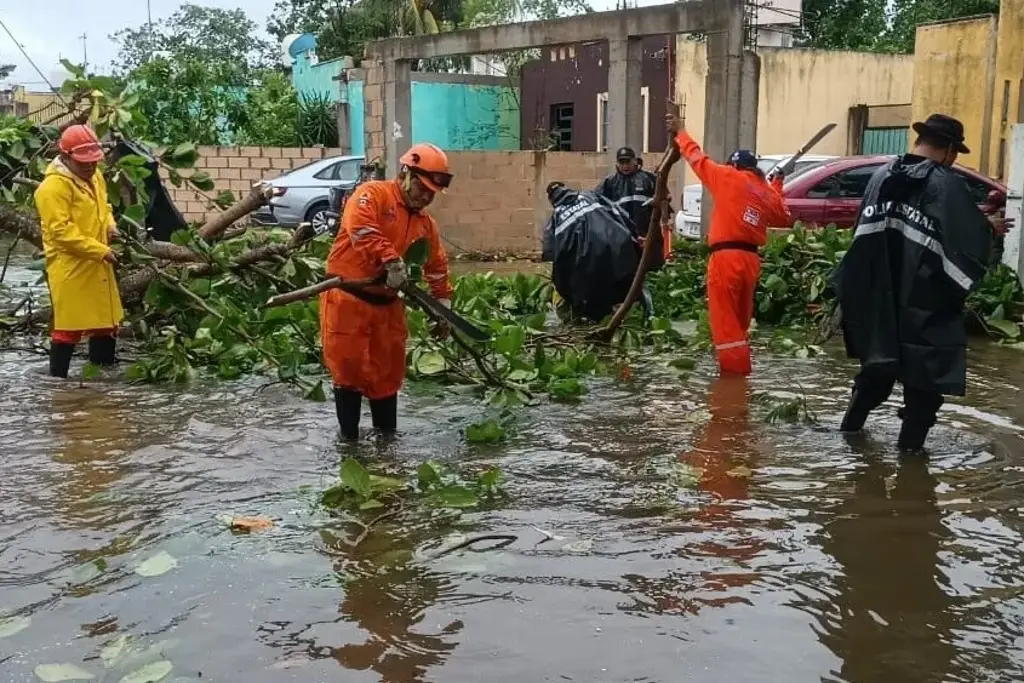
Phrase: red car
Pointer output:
(831, 192)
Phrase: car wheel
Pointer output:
(317, 217)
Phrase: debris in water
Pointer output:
(247, 524)
(13, 625)
(57, 673)
(161, 563)
(151, 673)
(114, 651)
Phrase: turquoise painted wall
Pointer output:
(317, 79)
(450, 115)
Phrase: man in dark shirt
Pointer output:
(631, 188)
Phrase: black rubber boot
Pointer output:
(348, 404)
(60, 359)
(919, 416)
(912, 435)
(856, 412)
(102, 351)
(384, 412)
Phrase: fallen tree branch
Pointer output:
(214, 228)
(18, 223)
(653, 241)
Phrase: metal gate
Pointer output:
(884, 141)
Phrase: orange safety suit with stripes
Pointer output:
(745, 206)
(364, 337)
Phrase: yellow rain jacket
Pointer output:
(76, 220)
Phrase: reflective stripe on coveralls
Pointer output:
(364, 344)
(745, 205)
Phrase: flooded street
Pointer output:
(793, 554)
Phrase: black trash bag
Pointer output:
(593, 251)
(162, 216)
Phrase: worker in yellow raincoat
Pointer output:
(78, 226)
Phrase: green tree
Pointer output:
(6, 70)
(908, 14)
(209, 34)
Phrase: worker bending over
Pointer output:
(745, 206)
(364, 329)
(78, 226)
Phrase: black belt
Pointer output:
(741, 246)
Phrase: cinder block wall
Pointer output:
(497, 202)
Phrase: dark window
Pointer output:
(978, 188)
(561, 127)
(852, 184)
(823, 189)
(329, 173)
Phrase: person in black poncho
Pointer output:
(593, 252)
(921, 245)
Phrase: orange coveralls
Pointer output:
(745, 206)
(364, 343)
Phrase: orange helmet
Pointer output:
(430, 164)
(81, 144)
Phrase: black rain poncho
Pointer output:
(593, 252)
(632, 193)
(921, 245)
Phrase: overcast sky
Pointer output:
(52, 29)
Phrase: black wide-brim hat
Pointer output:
(942, 127)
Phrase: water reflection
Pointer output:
(389, 596)
(892, 619)
(94, 438)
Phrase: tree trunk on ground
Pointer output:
(258, 196)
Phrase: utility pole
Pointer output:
(85, 51)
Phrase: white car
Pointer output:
(688, 216)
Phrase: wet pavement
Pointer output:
(665, 533)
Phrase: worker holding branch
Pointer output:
(77, 228)
(364, 329)
(745, 206)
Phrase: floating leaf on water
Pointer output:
(387, 484)
(431, 363)
(683, 363)
(114, 651)
(428, 474)
(151, 673)
(90, 371)
(685, 476)
(161, 563)
(355, 477)
(455, 497)
(485, 432)
(12, 625)
(56, 673)
(741, 472)
(371, 504)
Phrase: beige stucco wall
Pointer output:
(1009, 74)
(801, 91)
(954, 64)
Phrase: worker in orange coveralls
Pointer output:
(364, 330)
(745, 206)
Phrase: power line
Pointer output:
(34, 66)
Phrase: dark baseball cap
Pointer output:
(743, 158)
(625, 153)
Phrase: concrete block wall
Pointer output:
(373, 108)
(497, 202)
(237, 169)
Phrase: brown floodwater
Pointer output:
(664, 533)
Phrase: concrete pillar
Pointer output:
(750, 90)
(1013, 243)
(625, 106)
(397, 111)
(725, 125)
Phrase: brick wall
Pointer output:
(236, 169)
(497, 202)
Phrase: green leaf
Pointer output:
(136, 212)
(428, 474)
(10, 626)
(151, 673)
(17, 151)
(335, 497)
(158, 564)
(1006, 328)
(90, 371)
(114, 651)
(386, 484)
(202, 180)
(485, 432)
(184, 155)
(355, 477)
(56, 673)
(521, 375)
(418, 252)
(683, 363)
(371, 504)
(316, 393)
(455, 497)
(489, 478)
(510, 340)
(431, 363)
